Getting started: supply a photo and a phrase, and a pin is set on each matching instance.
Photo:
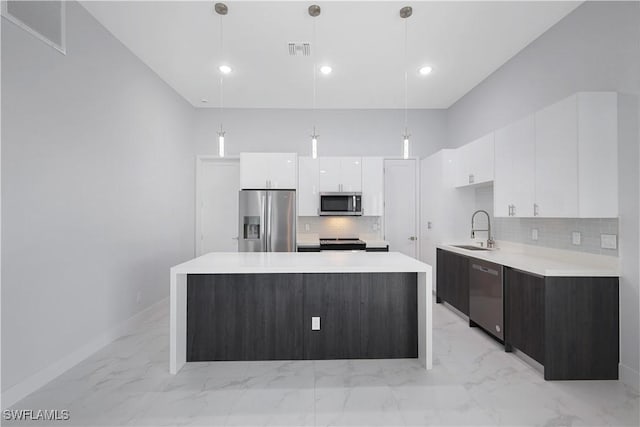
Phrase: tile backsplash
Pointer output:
(552, 232)
(340, 226)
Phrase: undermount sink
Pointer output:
(470, 247)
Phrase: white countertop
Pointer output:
(545, 261)
(301, 262)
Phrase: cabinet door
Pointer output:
(524, 311)
(282, 170)
(330, 174)
(480, 159)
(462, 170)
(557, 160)
(244, 317)
(514, 176)
(254, 171)
(388, 315)
(453, 278)
(308, 186)
(598, 154)
(373, 186)
(351, 173)
(335, 298)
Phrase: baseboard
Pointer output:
(39, 379)
(629, 376)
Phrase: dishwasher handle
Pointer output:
(484, 269)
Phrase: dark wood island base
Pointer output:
(269, 316)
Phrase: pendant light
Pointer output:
(405, 13)
(314, 12)
(222, 9)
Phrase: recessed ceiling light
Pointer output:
(325, 69)
(204, 101)
(224, 69)
(425, 70)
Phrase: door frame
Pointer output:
(416, 225)
(200, 161)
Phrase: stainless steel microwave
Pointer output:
(339, 204)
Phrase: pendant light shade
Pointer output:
(405, 147)
(221, 143)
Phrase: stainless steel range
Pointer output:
(342, 244)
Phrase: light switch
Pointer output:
(608, 241)
(306, 227)
(315, 323)
(534, 234)
(576, 238)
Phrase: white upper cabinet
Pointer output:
(373, 186)
(268, 170)
(514, 173)
(557, 160)
(308, 186)
(597, 154)
(475, 162)
(340, 174)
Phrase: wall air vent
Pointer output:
(299, 49)
(43, 19)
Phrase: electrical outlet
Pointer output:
(576, 238)
(374, 227)
(608, 241)
(315, 323)
(534, 234)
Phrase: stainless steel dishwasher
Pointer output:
(485, 297)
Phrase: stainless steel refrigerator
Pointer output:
(267, 221)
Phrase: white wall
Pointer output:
(593, 48)
(342, 132)
(97, 192)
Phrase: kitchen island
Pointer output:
(284, 305)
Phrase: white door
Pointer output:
(218, 183)
(400, 206)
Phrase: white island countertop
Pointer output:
(301, 262)
(545, 261)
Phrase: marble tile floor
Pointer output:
(473, 382)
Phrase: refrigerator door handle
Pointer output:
(268, 223)
(263, 222)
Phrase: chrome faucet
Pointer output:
(490, 242)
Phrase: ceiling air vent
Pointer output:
(299, 49)
(43, 19)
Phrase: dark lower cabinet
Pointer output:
(524, 313)
(388, 315)
(452, 280)
(568, 324)
(244, 317)
(268, 316)
(335, 298)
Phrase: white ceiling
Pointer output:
(363, 41)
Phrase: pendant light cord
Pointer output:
(221, 74)
(315, 66)
(405, 77)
